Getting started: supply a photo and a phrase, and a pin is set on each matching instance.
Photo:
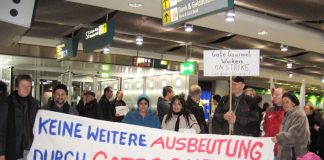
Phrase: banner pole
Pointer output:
(230, 104)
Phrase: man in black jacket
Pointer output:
(19, 119)
(59, 103)
(106, 106)
(163, 104)
(192, 104)
(244, 115)
(92, 108)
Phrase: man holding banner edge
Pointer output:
(244, 115)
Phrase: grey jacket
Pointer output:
(294, 132)
(163, 107)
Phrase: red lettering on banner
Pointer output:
(257, 153)
(232, 148)
(202, 146)
(244, 149)
(116, 158)
(229, 146)
(98, 154)
(192, 143)
(220, 145)
(158, 141)
(210, 148)
(182, 144)
(173, 142)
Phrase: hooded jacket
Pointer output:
(163, 107)
(271, 123)
(294, 133)
(150, 120)
(19, 122)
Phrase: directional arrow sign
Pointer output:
(165, 4)
(185, 10)
(166, 17)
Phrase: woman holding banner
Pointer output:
(178, 119)
(143, 115)
(293, 136)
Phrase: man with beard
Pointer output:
(59, 103)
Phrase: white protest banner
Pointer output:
(65, 137)
(232, 62)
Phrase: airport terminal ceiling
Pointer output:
(57, 19)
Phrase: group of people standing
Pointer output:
(18, 112)
(286, 122)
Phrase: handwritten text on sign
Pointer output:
(231, 62)
(66, 137)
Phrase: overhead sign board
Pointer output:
(98, 37)
(66, 49)
(176, 11)
(160, 63)
(187, 68)
(232, 62)
(142, 62)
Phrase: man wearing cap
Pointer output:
(244, 115)
(59, 102)
(92, 108)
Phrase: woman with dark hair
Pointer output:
(178, 118)
(143, 115)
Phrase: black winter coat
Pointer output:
(115, 103)
(17, 124)
(247, 117)
(107, 109)
(320, 141)
(314, 119)
(198, 112)
(91, 110)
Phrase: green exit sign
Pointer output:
(187, 68)
(104, 75)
